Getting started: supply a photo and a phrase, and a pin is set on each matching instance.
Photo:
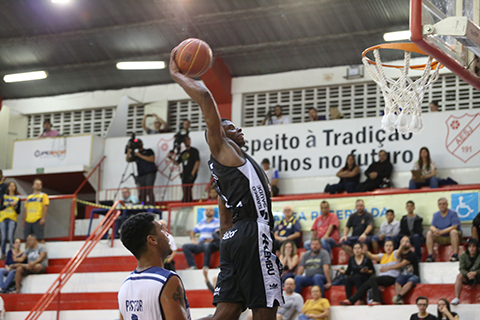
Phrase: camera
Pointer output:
(133, 144)
(177, 142)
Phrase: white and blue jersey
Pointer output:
(139, 296)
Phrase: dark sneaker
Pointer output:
(430, 259)
(454, 258)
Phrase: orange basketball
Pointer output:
(193, 57)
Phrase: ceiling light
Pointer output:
(60, 1)
(397, 35)
(141, 65)
(26, 76)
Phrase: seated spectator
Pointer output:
(272, 175)
(422, 305)
(409, 275)
(289, 259)
(429, 171)
(387, 276)
(13, 257)
(277, 118)
(169, 263)
(469, 268)
(288, 229)
(325, 228)
(293, 302)
(206, 243)
(316, 264)
(315, 308)
(10, 209)
(127, 197)
(445, 229)
(359, 270)
(335, 113)
(212, 193)
(411, 226)
(434, 106)
(34, 260)
(313, 115)
(48, 132)
(376, 173)
(388, 231)
(444, 312)
(476, 227)
(362, 224)
(160, 126)
(349, 177)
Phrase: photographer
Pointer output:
(147, 170)
(190, 160)
(160, 126)
(276, 118)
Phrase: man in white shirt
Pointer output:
(277, 118)
(388, 231)
(272, 175)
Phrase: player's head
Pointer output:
(142, 235)
(234, 133)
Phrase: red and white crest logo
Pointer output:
(463, 135)
(165, 166)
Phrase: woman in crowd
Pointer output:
(13, 257)
(359, 270)
(10, 209)
(388, 273)
(443, 311)
(315, 308)
(335, 113)
(429, 171)
(289, 259)
(349, 177)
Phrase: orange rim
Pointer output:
(404, 46)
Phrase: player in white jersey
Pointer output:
(150, 292)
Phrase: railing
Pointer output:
(67, 272)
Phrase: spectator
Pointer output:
(3, 185)
(376, 173)
(288, 229)
(434, 106)
(429, 171)
(10, 209)
(349, 177)
(272, 175)
(476, 227)
(190, 160)
(13, 257)
(277, 118)
(335, 113)
(445, 229)
(127, 197)
(289, 259)
(316, 264)
(160, 126)
(35, 212)
(313, 115)
(48, 132)
(444, 312)
(325, 228)
(293, 302)
(169, 263)
(387, 276)
(147, 171)
(212, 193)
(469, 268)
(411, 226)
(422, 305)
(388, 231)
(359, 270)
(206, 243)
(315, 308)
(36, 260)
(409, 275)
(362, 225)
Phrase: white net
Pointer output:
(403, 97)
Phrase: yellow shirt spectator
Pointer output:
(9, 211)
(316, 307)
(34, 206)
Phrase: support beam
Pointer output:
(219, 81)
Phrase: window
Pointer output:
(178, 111)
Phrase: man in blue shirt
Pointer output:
(445, 229)
(208, 242)
(288, 229)
(127, 197)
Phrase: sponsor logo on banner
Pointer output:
(466, 205)
(60, 154)
(463, 134)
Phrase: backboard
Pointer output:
(448, 31)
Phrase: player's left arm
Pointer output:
(225, 217)
(173, 300)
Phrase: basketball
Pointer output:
(193, 57)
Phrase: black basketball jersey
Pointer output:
(244, 189)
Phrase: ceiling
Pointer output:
(79, 43)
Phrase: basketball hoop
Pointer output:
(402, 96)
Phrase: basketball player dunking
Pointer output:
(249, 270)
(150, 292)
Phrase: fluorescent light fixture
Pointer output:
(140, 65)
(26, 76)
(60, 1)
(397, 35)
